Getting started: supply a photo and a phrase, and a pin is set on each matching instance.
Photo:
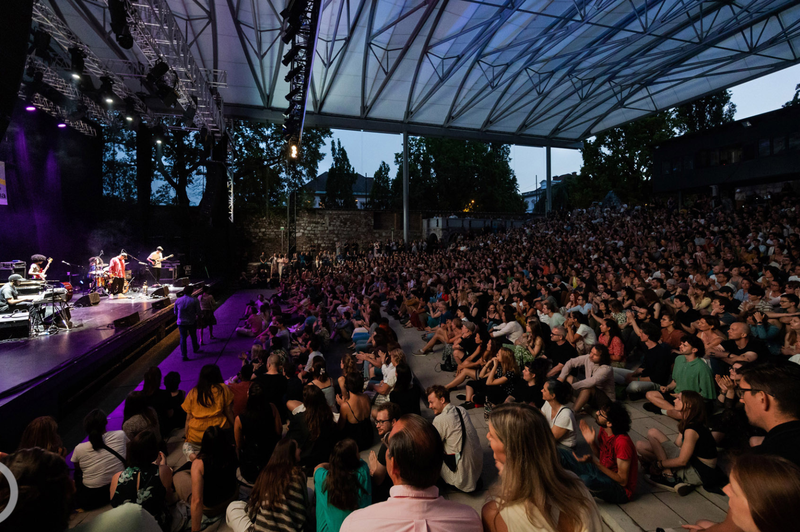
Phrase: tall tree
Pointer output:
(380, 197)
(262, 171)
(119, 164)
(341, 178)
(704, 113)
(177, 161)
(795, 99)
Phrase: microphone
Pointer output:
(67, 263)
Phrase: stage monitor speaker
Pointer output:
(161, 303)
(88, 300)
(160, 292)
(179, 283)
(127, 321)
(14, 326)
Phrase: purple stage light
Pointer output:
(30, 108)
(62, 125)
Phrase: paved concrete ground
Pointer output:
(652, 508)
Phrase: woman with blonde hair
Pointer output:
(534, 493)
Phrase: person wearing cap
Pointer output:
(9, 296)
(154, 259)
(117, 270)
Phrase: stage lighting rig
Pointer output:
(119, 11)
(106, 90)
(78, 64)
(41, 45)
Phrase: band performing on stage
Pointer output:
(43, 302)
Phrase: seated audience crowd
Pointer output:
(556, 329)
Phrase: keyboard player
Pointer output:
(9, 296)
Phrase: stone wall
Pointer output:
(320, 229)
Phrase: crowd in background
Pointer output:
(694, 312)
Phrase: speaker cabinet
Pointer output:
(88, 300)
(160, 292)
(127, 321)
(161, 303)
(182, 282)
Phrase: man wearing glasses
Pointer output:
(771, 398)
(386, 416)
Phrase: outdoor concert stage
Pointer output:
(44, 375)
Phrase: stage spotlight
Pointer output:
(118, 10)
(157, 72)
(167, 94)
(131, 114)
(30, 108)
(293, 73)
(160, 133)
(78, 63)
(291, 54)
(293, 151)
(41, 45)
(62, 125)
(106, 90)
(293, 15)
(294, 92)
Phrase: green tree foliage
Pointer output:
(119, 164)
(380, 197)
(262, 171)
(621, 158)
(795, 99)
(341, 178)
(457, 175)
(704, 113)
(178, 162)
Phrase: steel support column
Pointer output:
(549, 198)
(405, 187)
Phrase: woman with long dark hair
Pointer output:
(97, 461)
(496, 380)
(158, 399)
(354, 411)
(279, 499)
(42, 432)
(209, 404)
(212, 484)
(257, 430)
(341, 486)
(534, 493)
(611, 337)
(147, 479)
(138, 416)
(405, 392)
(692, 461)
(311, 425)
(323, 381)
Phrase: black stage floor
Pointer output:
(27, 362)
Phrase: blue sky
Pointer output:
(367, 150)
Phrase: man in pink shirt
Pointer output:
(414, 461)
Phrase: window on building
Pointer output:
(794, 142)
(764, 148)
(778, 145)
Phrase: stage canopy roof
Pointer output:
(531, 72)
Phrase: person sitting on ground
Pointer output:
(405, 393)
(275, 383)
(696, 450)
(147, 479)
(97, 461)
(510, 329)
(740, 347)
(495, 381)
(42, 432)
(449, 332)
(463, 460)
(559, 351)
(671, 333)
(611, 338)
(209, 404)
(253, 326)
(561, 418)
(211, 485)
(354, 411)
(45, 493)
(239, 388)
(175, 414)
(470, 367)
(597, 388)
(158, 399)
(534, 492)
(414, 460)
(341, 486)
(321, 379)
(256, 430)
(578, 333)
(528, 389)
(279, 500)
(655, 368)
(690, 372)
(311, 425)
(388, 375)
(610, 472)
(386, 415)
(138, 416)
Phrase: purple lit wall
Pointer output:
(54, 181)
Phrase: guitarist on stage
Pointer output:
(154, 259)
(36, 271)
